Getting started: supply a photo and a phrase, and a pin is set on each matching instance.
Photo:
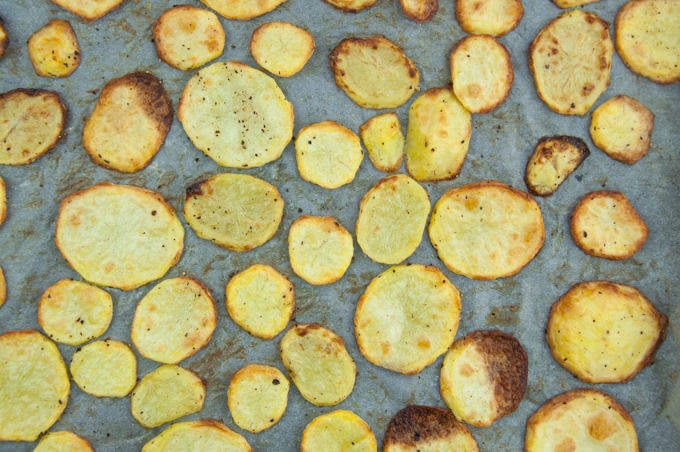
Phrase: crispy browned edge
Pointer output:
(339, 4)
(576, 142)
(461, 19)
(423, 14)
(3, 42)
(416, 424)
(66, 5)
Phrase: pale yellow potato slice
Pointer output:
(419, 10)
(61, 441)
(89, 9)
(552, 161)
(242, 9)
(3, 287)
(105, 368)
(341, 430)
(383, 138)
(407, 317)
(437, 136)
(489, 17)
(281, 48)
(54, 50)
(4, 38)
(3, 200)
(35, 385)
(352, 6)
(209, 434)
(74, 312)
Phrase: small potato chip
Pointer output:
(89, 9)
(208, 434)
(419, 10)
(604, 332)
(174, 320)
(570, 60)
(407, 317)
(31, 122)
(257, 397)
(242, 9)
(260, 300)
(384, 140)
(338, 430)
(63, 440)
(35, 385)
(328, 154)
(427, 428)
(3, 201)
(54, 50)
(4, 38)
(129, 123)
(581, 419)
(374, 72)
(120, 236)
(281, 48)
(484, 376)
(74, 312)
(3, 288)
(605, 224)
(236, 114)
(392, 218)
(105, 368)
(187, 37)
(238, 212)
(318, 363)
(552, 161)
(647, 38)
(166, 394)
(351, 6)
(437, 136)
(622, 128)
(489, 17)
(481, 71)
(320, 249)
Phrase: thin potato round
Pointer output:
(352, 6)
(54, 50)
(209, 433)
(338, 430)
(242, 9)
(281, 48)
(383, 138)
(63, 440)
(89, 9)
(489, 17)
(419, 10)
(105, 368)
(552, 161)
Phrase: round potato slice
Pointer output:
(552, 161)
(570, 60)
(257, 397)
(392, 219)
(604, 332)
(338, 430)
(174, 320)
(236, 114)
(63, 441)
(489, 17)
(374, 72)
(105, 368)
(89, 9)
(318, 363)
(581, 419)
(238, 212)
(35, 385)
(281, 48)
(120, 236)
(351, 6)
(419, 10)
(74, 312)
(31, 122)
(384, 140)
(242, 9)
(54, 50)
(407, 317)
(486, 230)
(209, 433)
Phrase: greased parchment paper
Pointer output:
(121, 42)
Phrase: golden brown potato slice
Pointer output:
(351, 6)
(63, 440)
(419, 10)
(604, 332)
(74, 312)
(35, 385)
(647, 38)
(605, 224)
(3, 287)
(105, 368)
(384, 140)
(407, 317)
(338, 430)
(174, 320)
(622, 128)
(484, 376)
(552, 161)
(4, 38)
(281, 48)
(242, 9)
(187, 37)
(236, 114)
(54, 50)
(89, 9)
(437, 136)
(328, 154)
(120, 236)
(581, 419)
(31, 122)
(374, 72)
(489, 17)
(3, 200)
(257, 397)
(318, 363)
(486, 230)
(570, 60)
(481, 72)
(209, 433)
(417, 428)
(236, 211)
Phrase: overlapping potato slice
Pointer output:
(210, 434)
(352, 6)
(89, 9)
(407, 317)
(242, 9)
(581, 419)
(374, 72)
(384, 140)
(437, 136)
(4, 38)
(281, 48)
(35, 385)
(489, 17)
(63, 440)
(105, 368)
(570, 60)
(318, 363)
(486, 230)
(237, 115)
(54, 50)
(338, 430)
(419, 10)
(552, 161)
(120, 236)
(74, 312)
(31, 122)
(236, 211)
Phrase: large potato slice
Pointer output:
(242, 9)
(419, 10)
(54, 50)
(489, 17)
(89, 9)
(63, 440)
(340, 430)
(121, 236)
(352, 6)
(384, 140)
(105, 368)
(281, 48)
(552, 161)
(204, 434)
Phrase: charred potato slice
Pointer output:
(489, 17)
(351, 6)
(338, 430)
(242, 9)
(89, 9)
(54, 50)
(384, 140)
(105, 368)
(552, 161)
(419, 10)
(63, 440)
(209, 433)
(281, 48)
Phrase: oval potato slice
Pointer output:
(281, 48)
(489, 17)
(242, 9)
(63, 440)
(552, 161)
(209, 433)
(419, 10)
(89, 9)
(338, 430)
(384, 140)
(54, 50)
(105, 368)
